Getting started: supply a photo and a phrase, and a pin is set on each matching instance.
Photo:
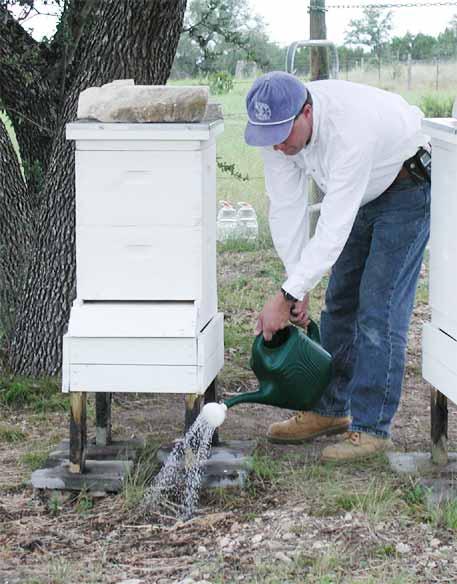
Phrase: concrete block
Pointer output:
(418, 463)
(100, 475)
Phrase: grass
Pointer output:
(61, 571)
(444, 515)
(34, 459)
(329, 567)
(11, 434)
(141, 476)
(377, 501)
(40, 395)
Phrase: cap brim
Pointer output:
(263, 135)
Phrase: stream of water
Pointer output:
(175, 491)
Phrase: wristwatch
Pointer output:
(288, 296)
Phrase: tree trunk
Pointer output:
(120, 39)
(15, 233)
(28, 98)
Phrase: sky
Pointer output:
(288, 20)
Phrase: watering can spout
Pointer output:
(258, 397)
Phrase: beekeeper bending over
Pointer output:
(365, 150)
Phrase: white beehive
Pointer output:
(440, 336)
(145, 318)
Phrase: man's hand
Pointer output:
(274, 316)
(299, 312)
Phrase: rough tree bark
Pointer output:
(16, 230)
(109, 39)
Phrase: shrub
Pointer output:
(220, 82)
(437, 106)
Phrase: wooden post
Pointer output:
(409, 71)
(211, 396)
(439, 419)
(78, 431)
(319, 70)
(103, 418)
(317, 30)
(194, 404)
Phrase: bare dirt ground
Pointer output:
(298, 520)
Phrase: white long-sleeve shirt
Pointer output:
(361, 136)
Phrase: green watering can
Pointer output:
(293, 370)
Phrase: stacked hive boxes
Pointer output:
(145, 318)
(440, 336)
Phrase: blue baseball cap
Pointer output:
(272, 104)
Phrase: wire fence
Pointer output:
(408, 74)
(387, 71)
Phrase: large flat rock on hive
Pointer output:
(122, 101)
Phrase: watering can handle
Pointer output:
(313, 331)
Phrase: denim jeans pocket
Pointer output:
(406, 204)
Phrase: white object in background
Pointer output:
(237, 223)
(247, 225)
(226, 222)
(439, 361)
(454, 109)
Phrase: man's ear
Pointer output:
(307, 110)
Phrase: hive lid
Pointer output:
(92, 130)
(448, 125)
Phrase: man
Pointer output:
(364, 149)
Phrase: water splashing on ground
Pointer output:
(175, 492)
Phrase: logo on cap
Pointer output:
(262, 111)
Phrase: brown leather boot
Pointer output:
(306, 426)
(356, 446)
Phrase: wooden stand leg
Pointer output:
(211, 396)
(439, 419)
(78, 431)
(103, 418)
(194, 404)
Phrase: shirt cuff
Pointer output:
(296, 289)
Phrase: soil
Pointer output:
(268, 533)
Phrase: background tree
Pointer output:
(372, 30)
(96, 41)
(447, 40)
(218, 33)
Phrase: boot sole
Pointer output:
(359, 458)
(327, 432)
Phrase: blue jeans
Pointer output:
(368, 306)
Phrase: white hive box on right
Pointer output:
(440, 336)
